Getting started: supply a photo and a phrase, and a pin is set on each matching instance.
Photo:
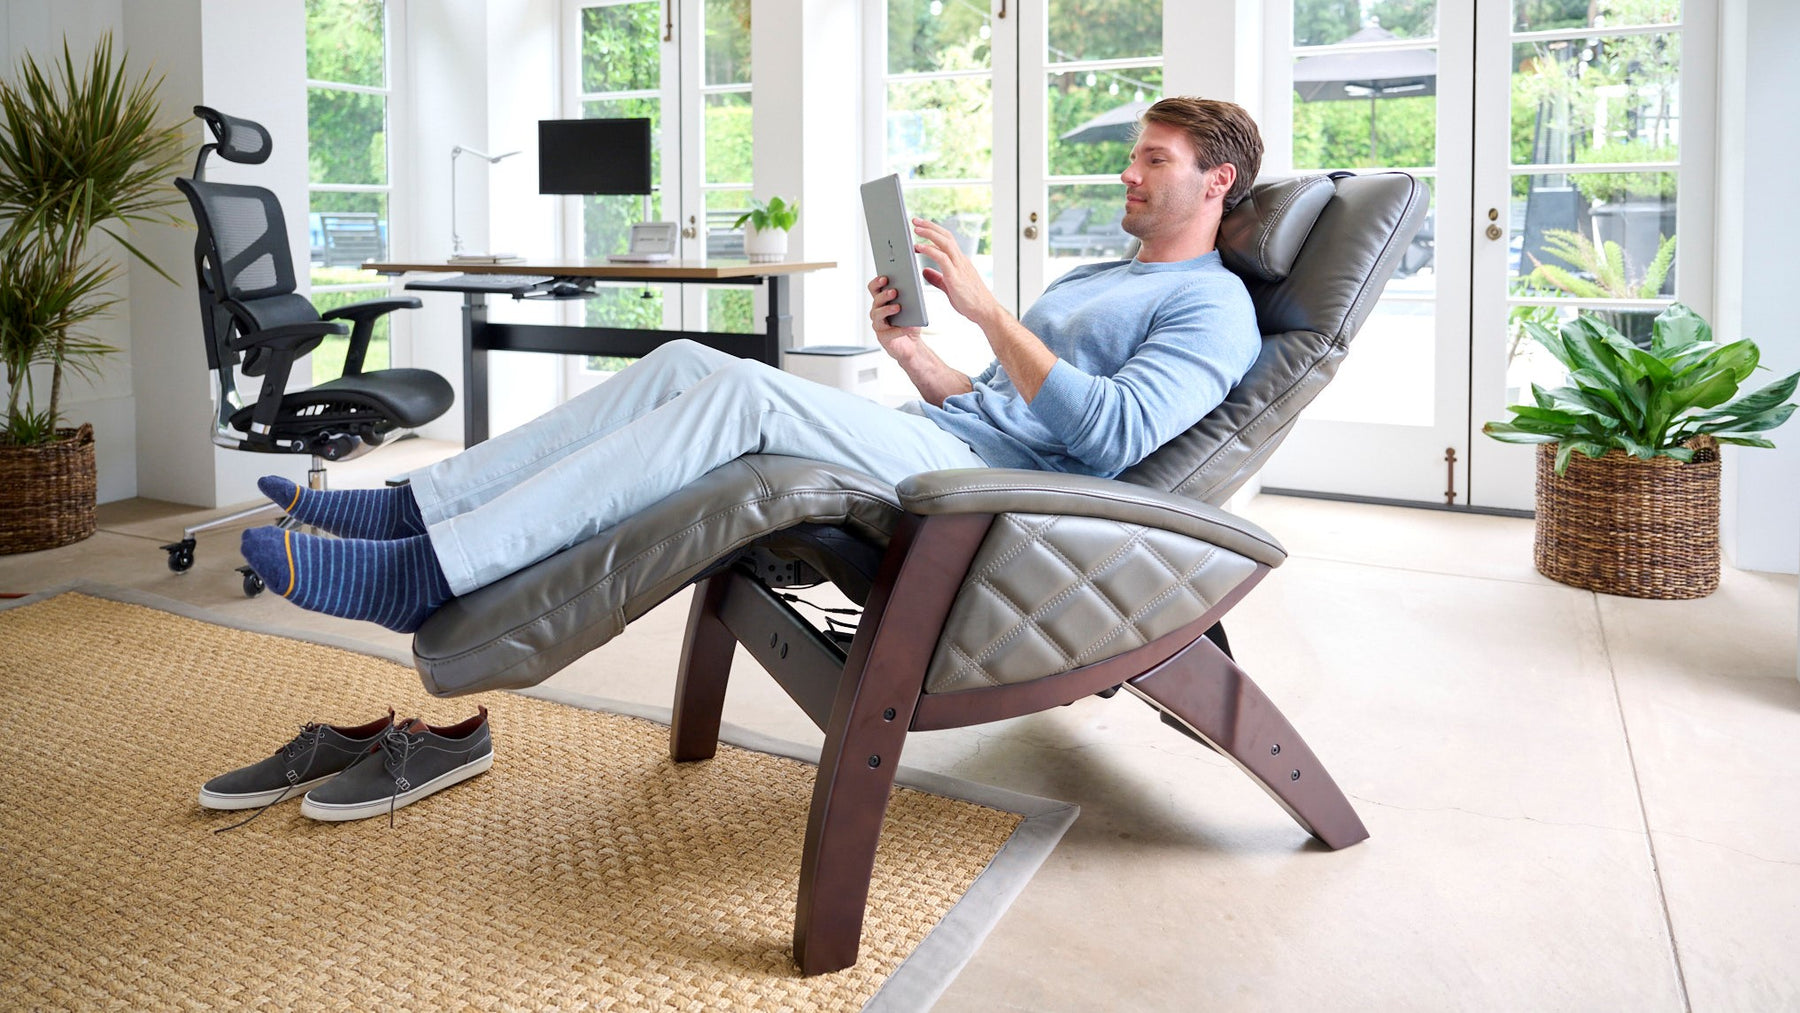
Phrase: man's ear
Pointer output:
(1219, 183)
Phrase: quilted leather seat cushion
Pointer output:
(520, 630)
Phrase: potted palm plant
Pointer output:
(1628, 462)
(82, 149)
(766, 228)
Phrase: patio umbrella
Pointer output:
(1116, 124)
(1336, 77)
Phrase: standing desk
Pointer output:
(481, 336)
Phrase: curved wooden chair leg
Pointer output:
(706, 653)
(1207, 692)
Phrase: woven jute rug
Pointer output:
(585, 870)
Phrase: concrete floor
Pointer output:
(1576, 801)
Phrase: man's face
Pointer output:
(1164, 186)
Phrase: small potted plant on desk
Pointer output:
(1628, 459)
(766, 229)
(81, 149)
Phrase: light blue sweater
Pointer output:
(1143, 351)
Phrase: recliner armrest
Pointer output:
(1005, 490)
(371, 308)
(285, 336)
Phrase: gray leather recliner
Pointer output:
(986, 593)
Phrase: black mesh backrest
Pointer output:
(239, 140)
(247, 234)
(1315, 253)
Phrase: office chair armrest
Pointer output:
(287, 336)
(371, 308)
(1003, 490)
(364, 314)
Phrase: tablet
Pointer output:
(891, 239)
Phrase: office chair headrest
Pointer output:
(1261, 236)
(240, 140)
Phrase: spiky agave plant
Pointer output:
(82, 149)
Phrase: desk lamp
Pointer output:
(456, 243)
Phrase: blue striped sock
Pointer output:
(389, 512)
(396, 582)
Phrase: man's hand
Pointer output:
(934, 379)
(955, 275)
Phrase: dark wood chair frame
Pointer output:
(867, 699)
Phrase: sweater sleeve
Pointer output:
(1191, 359)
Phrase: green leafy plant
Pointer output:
(775, 214)
(1647, 402)
(1599, 271)
(81, 149)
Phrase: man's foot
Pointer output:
(389, 512)
(396, 583)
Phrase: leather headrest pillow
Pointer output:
(1261, 237)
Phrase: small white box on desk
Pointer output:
(855, 368)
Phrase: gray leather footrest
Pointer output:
(522, 629)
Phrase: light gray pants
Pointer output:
(661, 423)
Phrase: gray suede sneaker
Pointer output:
(317, 754)
(412, 760)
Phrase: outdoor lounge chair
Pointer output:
(986, 593)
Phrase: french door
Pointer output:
(1551, 133)
(1009, 121)
(685, 65)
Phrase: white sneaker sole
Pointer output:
(334, 812)
(257, 799)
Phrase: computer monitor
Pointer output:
(594, 156)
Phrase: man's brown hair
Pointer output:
(1220, 132)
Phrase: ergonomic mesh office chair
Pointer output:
(249, 312)
(986, 593)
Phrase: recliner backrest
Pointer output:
(1315, 253)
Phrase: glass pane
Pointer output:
(1390, 375)
(724, 239)
(941, 129)
(328, 358)
(1567, 242)
(346, 41)
(727, 41)
(621, 47)
(347, 136)
(343, 231)
(1547, 15)
(726, 137)
(639, 306)
(1084, 227)
(1597, 100)
(731, 309)
(926, 35)
(1094, 118)
(1375, 124)
(1328, 22)
(967, 211)
(1104, 29)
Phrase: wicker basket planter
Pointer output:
(1620, 525)
(47, 492)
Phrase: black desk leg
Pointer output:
(475, 378)
(779, 333)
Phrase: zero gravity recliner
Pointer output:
(986, 593)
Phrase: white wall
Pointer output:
(806, 105)
(1758, 150)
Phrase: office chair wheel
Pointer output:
(181, 555)
(253, 584)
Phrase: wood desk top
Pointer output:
(669, 270)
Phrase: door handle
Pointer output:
(669, 24)
(690, 232)
(1031, 232)
(1493, 232)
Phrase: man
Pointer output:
(1111, 362)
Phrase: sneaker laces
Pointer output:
(396, 748)
(306, 742)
